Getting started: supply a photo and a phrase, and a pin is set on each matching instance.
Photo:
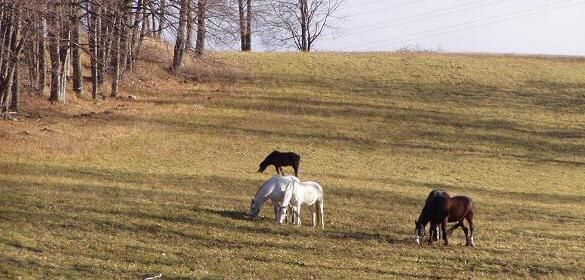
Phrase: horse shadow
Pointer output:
(231, 214)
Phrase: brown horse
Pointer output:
(441, 209)
(279, 160)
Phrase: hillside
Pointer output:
(126, 189)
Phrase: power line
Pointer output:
(404, 4)
(473, 24)
(362, 4)
(422, 16)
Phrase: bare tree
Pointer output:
(180, 38)
(299, 22)
(189, 29)
(76, 49)
(59, 35)
(201, 28)
(115, 31)
(15, 27)
(245, 16)
(93, 26)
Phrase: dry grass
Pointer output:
(161, 184)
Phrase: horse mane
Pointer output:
(430, 202)
(288, 192)
(259, 188)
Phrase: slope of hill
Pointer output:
(125, 189)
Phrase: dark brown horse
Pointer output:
(441, 209)
(434, 233)
(279, 160)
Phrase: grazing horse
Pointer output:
(442, 209)
(299, 193)
(434, 233)
(272, 189)
(279, 160)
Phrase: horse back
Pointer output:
(459, 207)
(284, 159)
(312, 189)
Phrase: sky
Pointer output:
(554, 27)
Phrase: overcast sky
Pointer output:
(496, 26)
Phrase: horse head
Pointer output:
(262, 166)
(254, 210)
(285, 203)
(282, 213)
(419, 231)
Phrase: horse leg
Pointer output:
(320, 213)
(469, 219)
(444, 229)
(298, 211)
(459, 224)
(281, 171)
(291, 211)
(435, 234)
(314, 215)
(432, 233)
(433, 225)
(466, 231)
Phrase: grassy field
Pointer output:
(125, 189)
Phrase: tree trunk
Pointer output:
(60, 36)
(304, 14)
(42, 59)
(75, 53)
(189, 36)
(55, 95)
(93, 47)
(15, 102)
(249, 26)
(100, 42)
(31, 59)
(180, 41)
(115, 66)
(161, 18)
(125, 21)
(133, 45)
(201, 32)
(243, 25)
(144, 29)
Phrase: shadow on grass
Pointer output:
(230, 214)
(527, 143)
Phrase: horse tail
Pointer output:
(297, 165)
(471, 206)
(319, 210)
(320, 206)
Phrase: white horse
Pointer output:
(298, 193)
(272, 189)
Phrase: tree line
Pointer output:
(41, 41)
